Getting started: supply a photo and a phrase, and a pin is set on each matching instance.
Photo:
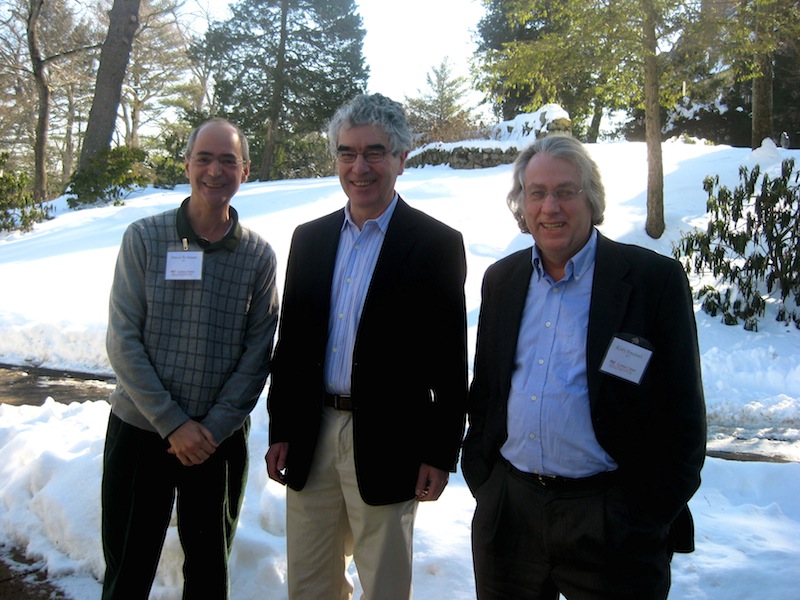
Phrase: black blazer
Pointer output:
(656, 430)
(409, 381)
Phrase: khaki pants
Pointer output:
(328, 524)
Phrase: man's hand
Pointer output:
(430, 483)
(276, 461)
(192, 443)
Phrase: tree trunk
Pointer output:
(114, 56)
(654, 226)
(43, 93)
(761, 125)
(762, 104)
(136, 117)
(131, 116)
(276, 101)
(594, 127)
(68, 151)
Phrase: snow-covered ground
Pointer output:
(53, 309)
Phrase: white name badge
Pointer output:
(184, 265)
(626, 360)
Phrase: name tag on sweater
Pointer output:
(184, 266)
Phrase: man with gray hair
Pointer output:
(586, 412)
(369, 378)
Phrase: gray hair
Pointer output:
(243, 145)
(376, 110)
(567, 148)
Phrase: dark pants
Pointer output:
(530, 543)
(140, 482)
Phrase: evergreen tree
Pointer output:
(440, 115)
(577, 54)
(720, 99)
(755, 34)
(282, 67)
(494, 31)
(594, 56)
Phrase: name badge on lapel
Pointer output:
(627, 357)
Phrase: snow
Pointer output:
(53, 311)
(528, 125)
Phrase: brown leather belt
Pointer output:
(338, 402)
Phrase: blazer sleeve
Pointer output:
(503, 295)
(475, 465)
(296, 372)
(449, 380)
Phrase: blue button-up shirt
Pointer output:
(549, 420)
(356, 258)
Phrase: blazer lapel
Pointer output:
(396, 245)
(324, 246)
(610, 295)
(510, 300)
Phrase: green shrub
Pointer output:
(17, 210)
(750, 246)
(165, 155)
(167, 172)
(109, 175)
(300, 156)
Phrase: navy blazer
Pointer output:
(409, 381)
(654, 430)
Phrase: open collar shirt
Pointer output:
(356, 258)
(550, 428)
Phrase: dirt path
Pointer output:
(24, 385)
(20, 579)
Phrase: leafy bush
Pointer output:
(165, 155)
(17, 210)
(750, 246)
(109, 175)
(167, 171)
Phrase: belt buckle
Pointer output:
(339, 402)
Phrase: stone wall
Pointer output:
(479, 157)
(463, 157)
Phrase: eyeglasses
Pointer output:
(560, 194)
(372, 156)
(205, 160)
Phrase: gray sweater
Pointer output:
(186, 349)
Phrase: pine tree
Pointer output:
(282, 67)
(440, 114)
(577, 54)
(591, 56)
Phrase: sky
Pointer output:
(401, 48)
(53, 311)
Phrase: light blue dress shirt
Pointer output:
(356, 258)
(549, 420)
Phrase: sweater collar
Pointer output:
(229, 242)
